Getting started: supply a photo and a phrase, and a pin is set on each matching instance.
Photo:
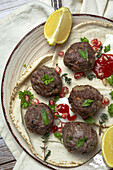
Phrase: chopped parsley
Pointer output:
(81, 142)
(83, 54)
(84, 40)
(87, 102)
(111, 94)
(89, 120)
(107, 48)
(44, 117)
(58, 135)
(47, 155)
(110, 80)
(91, 76)
(67, 79)
(24, 65)
(110, 109)
(47, 79)
(103, 117)
(22, 95)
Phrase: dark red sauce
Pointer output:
(64, 108)
(104, 66)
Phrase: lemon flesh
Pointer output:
(58, 26)
(107, 146)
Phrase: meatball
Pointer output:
(85, 94)
(75, 62)
(46, 81)
(79, 137)
(34, 121)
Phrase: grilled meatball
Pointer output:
(46, 82)
(34, 121)
(81, 94)
(75, 62)
(79, 137)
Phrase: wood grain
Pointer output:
(8, 166)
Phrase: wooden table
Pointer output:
(7, 161)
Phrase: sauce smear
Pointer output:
(104, 66)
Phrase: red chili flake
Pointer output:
(94, 41)
(51, 102)
(58, 69)
(27, 98)
(78, 75)
(54, 128)
(61, 54)
(35, 101)
(65, 90)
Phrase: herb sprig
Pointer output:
(91, 76)
(44, 117)
(103, 117)
(81, 142)
(47, 79)
(107, 48)
(110, 109)
(87, 102)
(83, 54)
(84, 40)
(99, 52)
(67, 79)
(90, 120)
(110, 80)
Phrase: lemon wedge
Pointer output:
(107, 146)
(58, 26)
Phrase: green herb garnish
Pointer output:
(87, 102)
(83, 54)
(89, 120)
(47, 79)
(84, 40)
(24, 65)
(67, 79)
(103, 117)
(107, 48)
(47, 155)
(91, 76)
(111, 94)
(58, 116)
(70, 137)
(110, 109)
(53, 107)
(81, 142)
(99, 52)
(22, 96)
(56, 99)
(110, 80)
(58, 135)
(44, 117)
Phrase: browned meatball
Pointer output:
(41, 84)
(82, 93)
(75, 62)
(34, 121)
(79, 137)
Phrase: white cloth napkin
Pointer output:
(13, 28)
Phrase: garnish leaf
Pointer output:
(110, 109)
(99, 52)
(111, 94)
(89, 120)
(84, 39)
(53, 107)
(67, 79)
(22, 95)
(58, 116)
(103, 117)
(70, 137)
(91, 76)
(47, 79)
(110, 80)
(107, 48)
(58, 135)
(81, 142)
(47, 155)
(44, 117)
(87, 102)
(83, 54)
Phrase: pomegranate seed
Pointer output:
(65, 90)
(106, 101)
(58, 69)
(61, 54)
(63, 124)
(94, 41)
(60, 129)
(78, 75)
(62, 94)
(64, 115)
(51, 102)
(54, 128)
(94, 48)
(27, 98)
(56, 113)
(99, 44)
(35, 101)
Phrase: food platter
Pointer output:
(31, 47)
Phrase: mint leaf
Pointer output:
(83, 54)
(44, 117)
(110, 109)
(81, 142)
(84, 40)
(107, 48)
(87, 102)
(47, 79)
(89, 120)
(111, 94)
(110, 80)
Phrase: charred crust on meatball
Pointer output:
(50, 89)
(75, 62)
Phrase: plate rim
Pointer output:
(2, 87)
